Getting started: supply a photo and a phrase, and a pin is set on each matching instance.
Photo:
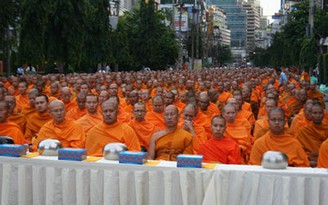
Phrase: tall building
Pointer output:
(253, 23)
(128, 4)
(220, 26)
(236, 18)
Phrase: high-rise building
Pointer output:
(253, 23)
(236, 18)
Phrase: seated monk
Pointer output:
(122, 115)
(7, 128)
(323, 155)
(66, 96)
(68, 132)
(156, 116)
(237, 131)
(218, 148)
(133, 98)
(169, 143)
(143, 128)
(22, 100)
(304, 117)
(311, 136)
(30, 109)
(13, 115)
(38, 119)
(109, 131)
(187, 123)
(207, 107)
(262, 125)
(277, 140)
(93, 117)
(295, 106)
(79, 111)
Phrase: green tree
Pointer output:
(308, 54)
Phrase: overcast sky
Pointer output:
(270, 7)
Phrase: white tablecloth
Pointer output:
(45, 180)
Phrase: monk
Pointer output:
(196, 130)
(13, 115)
(22, 100)
(237, 131)
(109, 131)
(66, 96)
(30, 109)
(93, 117)
(55, 90)
(314, 94)
(38, 119)
(133, 98)
(218, 148)
(323, 155)
(207, 107)
(278, 140)
(146, 99)
(7, 128)
(122, 115)
(156, 115)
(67, 131)
(168, 143)
(79, 111)
(304, 117)
(143, 128)
(295, 106)
(311, 136)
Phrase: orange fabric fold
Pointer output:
(12, 130)
(34, 124)
(157, 119)
(76, 113)
(88, 121)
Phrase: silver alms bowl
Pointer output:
(274, 160)
(6, 140)
(111, 150)
(49, 147)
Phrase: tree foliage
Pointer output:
(290, 47)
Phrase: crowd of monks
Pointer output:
(230, 116)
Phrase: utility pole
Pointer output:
(173, 15)
(193, 36)
(311, 14)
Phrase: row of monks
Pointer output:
(228, 115)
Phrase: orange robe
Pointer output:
(298, 122)
(200, 135)
(70, 105)
(19, 119)
(173, 143)
(224, 151)
(323, 155)
(88, 121)
(284, 143)
(241, 136)
(157, 119)
(202, 120)
(262, 127)
(22, 102)
(224, 96)
(12, 130)
(294, 107)
(29, 111)
(102, 134)
(144, 131)
(180, 105)
(76, 113)
(246, 106)
(149, 106)
(213, 109)
(123, 116)
(246, 114)
(34, 124)
(316, 95)
(312, 136)
(69, 133)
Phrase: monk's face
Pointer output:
(91, 104)
(22, 87)
(158, 106)
(317, 115)
(109, 112)
(31, 98)
(3, 112)
(139, 112)
(66, 95)
(269, 105)
(233, 102)
(12, 103)
(41, 104)
(81, 102)
(171, 116)
(145, 95)
(57, 112)
(277, 122)
(189, 114)
(229, 114)
(169, 98)
(113, 89)
(183, 97)
(218, 127)
(84, 89)
(103, 97)
(203, 103)
(133, 98)
(54, 88)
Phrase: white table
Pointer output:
(45, 180)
